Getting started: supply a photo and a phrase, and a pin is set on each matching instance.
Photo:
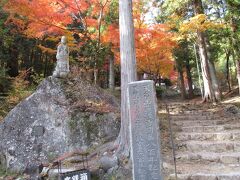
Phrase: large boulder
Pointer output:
(63, 115)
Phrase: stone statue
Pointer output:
(62, 68)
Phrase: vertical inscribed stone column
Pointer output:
(144, 131)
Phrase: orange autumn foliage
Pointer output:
(52, 17)
(154, 46)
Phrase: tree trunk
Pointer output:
(238, 73)
(26, 59)
(46, 66)
(12, 63)
(31, 57)
(227, 71)
(236, 49)
(208, 90)
(181, 84)
(189, 79)
(37, 61)
(236, 60)
(128, 70)
(111, 73)
(198, 70)
(95, 74)
(215, 84)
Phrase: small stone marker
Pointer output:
(76, 175)
(38, 131)
(144, 131)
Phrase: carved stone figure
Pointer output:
(62, 68)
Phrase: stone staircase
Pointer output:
(207, 143)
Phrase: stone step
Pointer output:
(216, 128)
(204, 123)
(217, 136)
(181, 114)
(193, 113)
(191, 118)
(224, 158)
(209, 146)
(209, 171)
(196, 112)
(203, 176)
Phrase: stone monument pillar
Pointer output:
(62, 67)
(144, 131)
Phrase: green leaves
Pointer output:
(173, 6)
(113, 14)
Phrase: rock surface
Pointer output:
(63, 115)
(232, 110)
(108, 162)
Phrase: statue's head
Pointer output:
(64, 40)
